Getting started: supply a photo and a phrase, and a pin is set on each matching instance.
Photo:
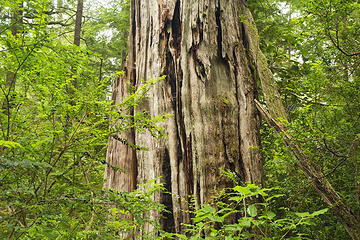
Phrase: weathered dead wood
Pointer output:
(210, 90)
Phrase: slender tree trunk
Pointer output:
(210, 90)
(78, 22)
(77, 36)
(350, 221)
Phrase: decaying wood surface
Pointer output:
(210, 90)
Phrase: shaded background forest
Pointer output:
(55, 113)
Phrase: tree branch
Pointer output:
(337, 45)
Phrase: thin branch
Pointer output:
(345, 157)
(333, 152)
(58, 158)
(339, 48)
(10, 26)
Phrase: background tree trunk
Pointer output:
(210, 90)
(78, 22)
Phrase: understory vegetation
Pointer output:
(55, 111)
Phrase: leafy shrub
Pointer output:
(245, 212)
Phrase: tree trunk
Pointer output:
(210, 90)
(350, 221)
(78, 22)
(119, 154)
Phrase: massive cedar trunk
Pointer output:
(210, 90)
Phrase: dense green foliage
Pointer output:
(308, 45)
(54, 124)
(236, 215)
(55, 114)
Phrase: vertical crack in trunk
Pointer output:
(198, 37)
(184, 144)
(170, 50)
(230, 164)
(176, 29)
(241, 167)
(219, 29)
(167, 222)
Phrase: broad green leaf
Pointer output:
(302, 214)
(208, 209)
(322, 211)
(216, 219)
(200, 217)
(245, 222)
(252, 210)
(236, 198)
(181, 236)
(274, 196)
(242, 190)
(233, 227)
(270, 215)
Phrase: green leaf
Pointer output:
(245, 222)
(242, 190)
(274, 196)
(208, 209)
(270, 215)
(181, 236)
(216, 219)
(322, 211)
(303, 214)
(252, 210)
(10, 144)
(236, 199)
(233, 227)
(199, 217)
